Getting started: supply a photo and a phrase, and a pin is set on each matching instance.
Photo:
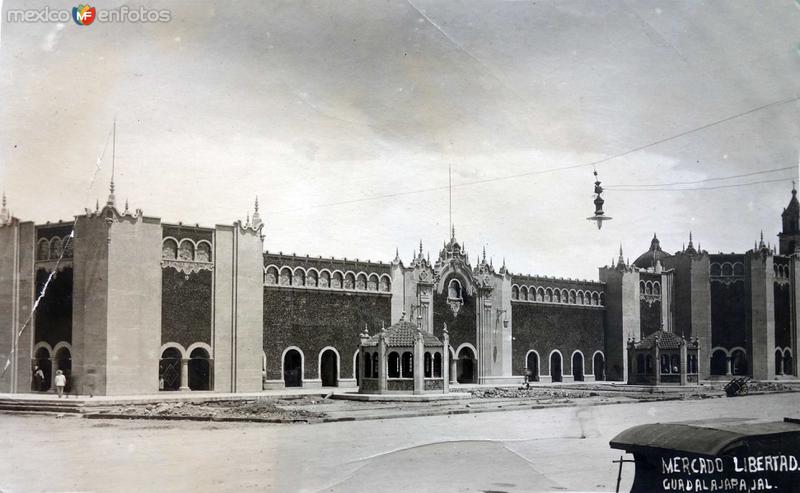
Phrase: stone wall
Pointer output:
(545, 328)
(315, 319)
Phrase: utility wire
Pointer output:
(550, 170)
(718, 187)
(729, 177)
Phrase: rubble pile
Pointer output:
(259, 408)
(534, 393)
(767, 387)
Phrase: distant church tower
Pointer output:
(790, 236)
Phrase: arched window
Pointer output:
(580, 297)
(676, 363)
(523, 293)
(727, 269)
(648, 288)
(719, 362)
(539, 294)
(514, 293)
(55, 248)
(428, 365)
(299, 277)
(199, 370)
(394, 365)
(337, 280)
(788, 363)
(716, 270)
(286, 277)
(595, 299)
(385, 284)
(738, 269)
(454, 290)
(437, 365)
(577, 367)
(349, 281)
(408, 365)
(169, 250)
(203, 252)
(564, 296)
(186, 250)
(375, 365)
(557, 296)
(311, 279)
(169, 369)
(372, 283)
(548, 295)
(572, 297)
(361, 282)
(271, 276)
(43, 250)
(324, 279)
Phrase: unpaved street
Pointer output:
(534, 450)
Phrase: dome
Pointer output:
(649, 258)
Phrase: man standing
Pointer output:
(61, 382)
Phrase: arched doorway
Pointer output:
(532, 366)
(169, 369)
(739, 362)
(41, 382)
(778, 362)
(555, 367)
(64, 363)
(199, 370)
(466, 365)
(357, 366)
(599, 367)
(719, 362)
(329, 368)
(292, 368)
(577, 367)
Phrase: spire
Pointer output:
(690, 249)
(256, 216)
(420, 248)
(111, 198)
(126, 206)
(452, 231)
(621, 259)
(396, 255)
(5, 216)
(484, 254)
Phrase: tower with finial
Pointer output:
(256, 215)
(5, 215)
(112, 200)
(789, 237)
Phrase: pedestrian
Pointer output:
(38, 378)
(61, 382)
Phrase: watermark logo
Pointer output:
(83, 15)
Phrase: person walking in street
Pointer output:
(61, 382)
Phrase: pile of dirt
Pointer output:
(259, 408)
(768, 387)
(532, 393)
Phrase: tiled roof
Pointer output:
(666, 340)
(402, 334)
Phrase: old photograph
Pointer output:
(491, 246)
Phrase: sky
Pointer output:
(344, 117)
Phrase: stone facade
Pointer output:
(133, 305)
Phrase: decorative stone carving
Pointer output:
(187, 267)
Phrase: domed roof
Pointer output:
(402, 334)
(649, 258)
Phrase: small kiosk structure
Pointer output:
(663, 358)
(403, 359)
